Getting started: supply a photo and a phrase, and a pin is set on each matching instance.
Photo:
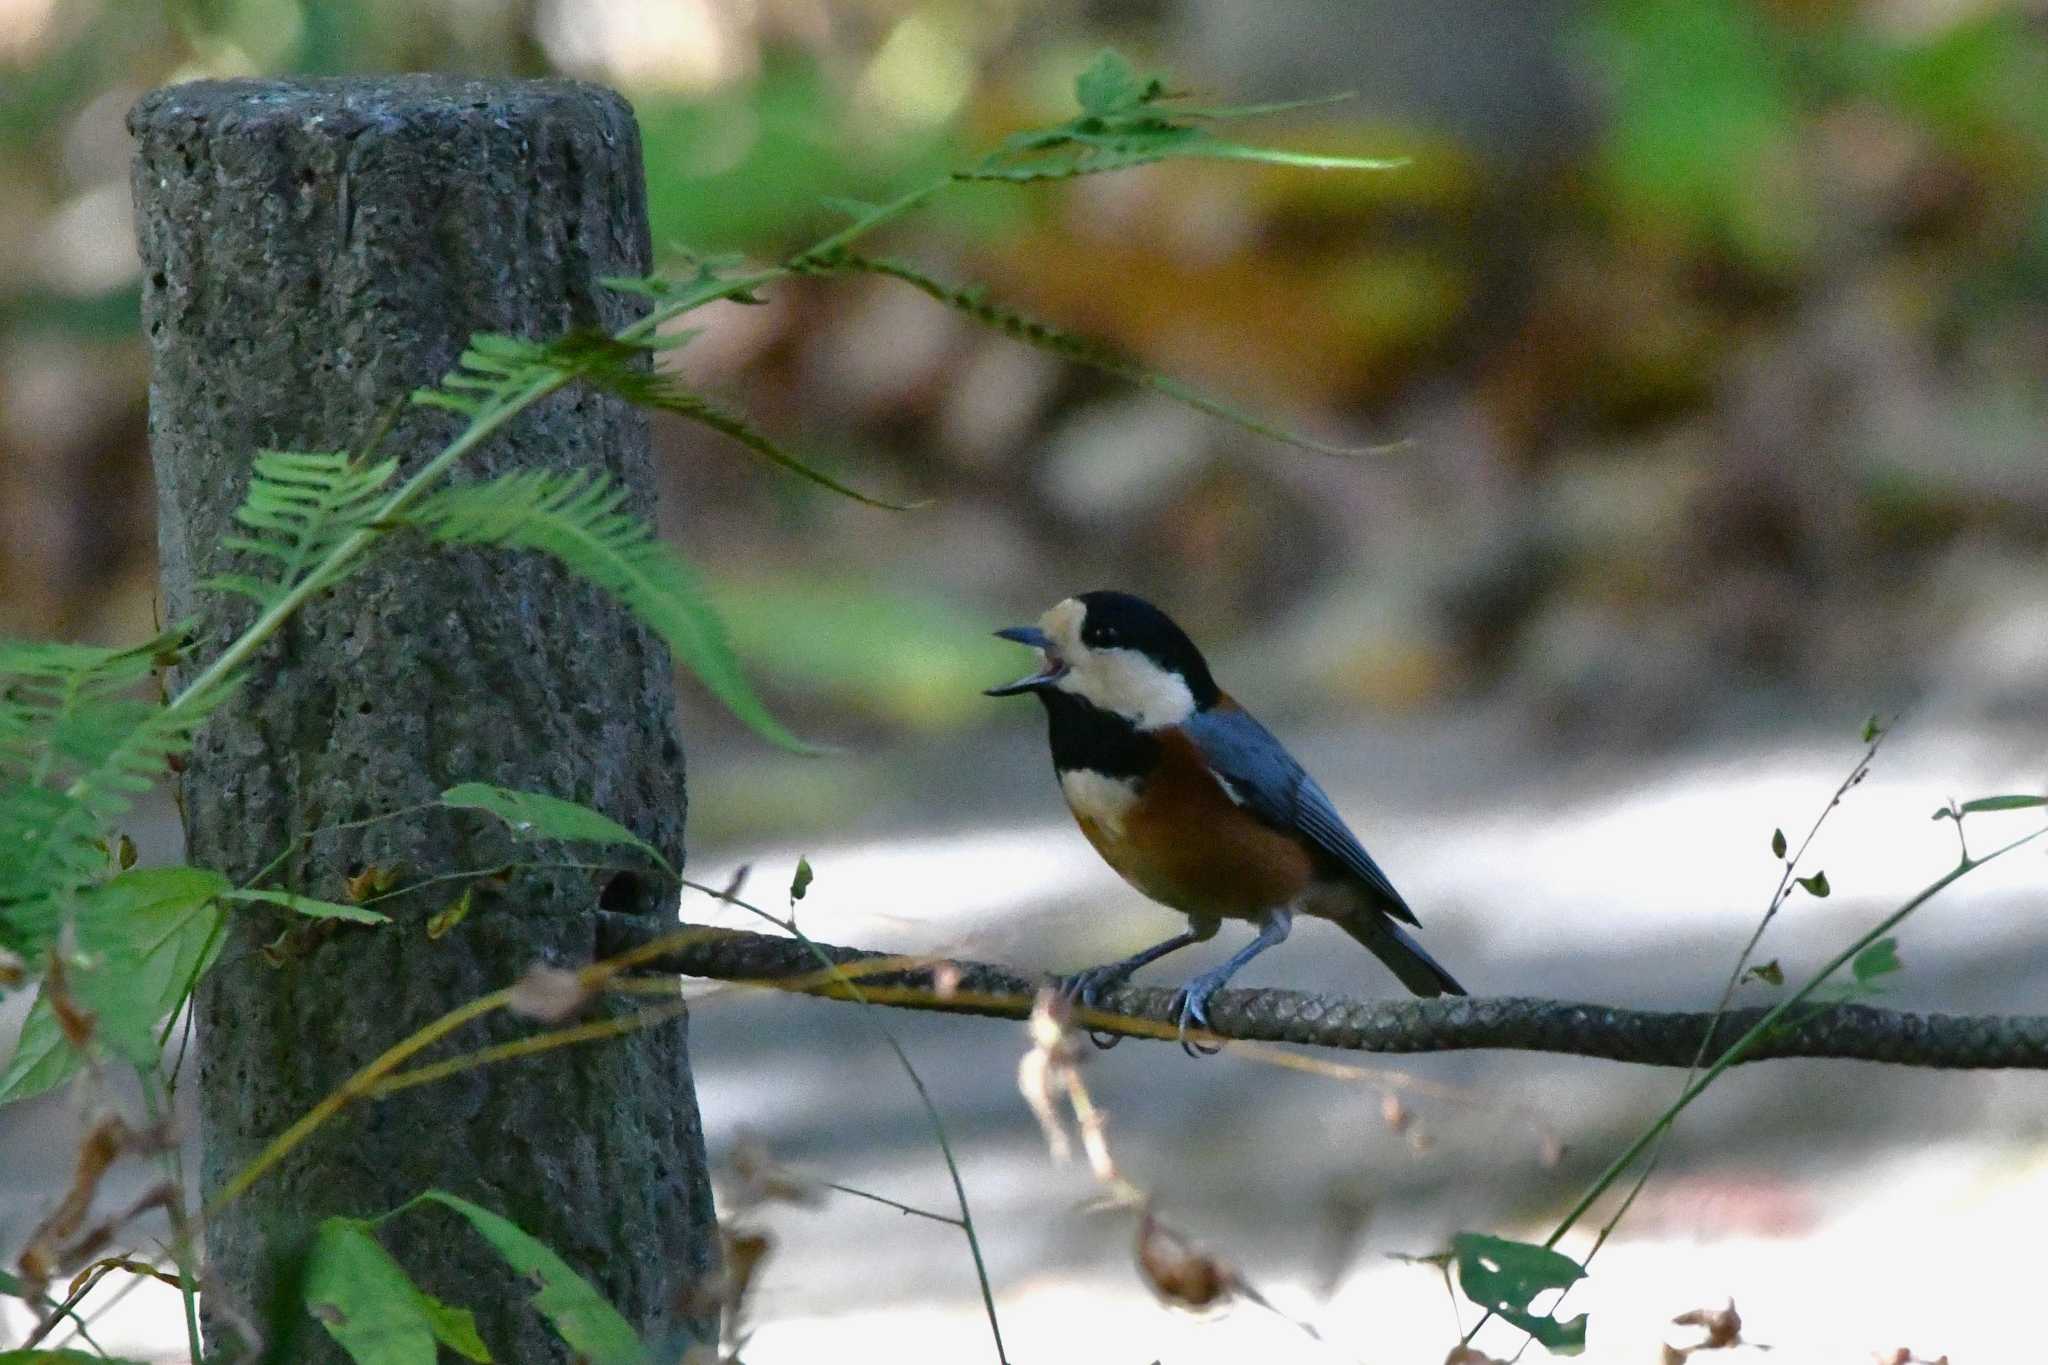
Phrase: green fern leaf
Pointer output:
(499, 366)
(577, 519)
(76, 747)
(299, 507)
(1128, 121)
(1083, 351)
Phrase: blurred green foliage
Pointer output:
(1712, 106)
(905, 656)
(748, 167)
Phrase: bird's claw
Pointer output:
(1085, 988)
(1191, 1004)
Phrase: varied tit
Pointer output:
(1195, 803)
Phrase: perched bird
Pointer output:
(1195, 803)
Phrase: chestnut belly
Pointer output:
(1197, 851)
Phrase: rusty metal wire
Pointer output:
(1645, 1037)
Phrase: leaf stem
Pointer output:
(361, 1083)
(1764, 1025)
(184, 1254)
(931, 1109)
(910, 1209)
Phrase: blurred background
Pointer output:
(1714, 335)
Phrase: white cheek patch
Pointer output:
(1097, 798)
(1130, 685)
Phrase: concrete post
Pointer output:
(311, 250)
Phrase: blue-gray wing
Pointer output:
(1264, 777)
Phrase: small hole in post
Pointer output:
(625, 894)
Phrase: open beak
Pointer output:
(1055, 667)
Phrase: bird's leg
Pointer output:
(1086, 987)
(1192, 1002)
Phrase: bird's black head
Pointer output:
(1120, 654)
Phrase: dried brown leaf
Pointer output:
(1462, 1354)
(1723, 1326)
(1182, 1274)
(56, 1242)
(738, 883)
(548, 994)
(371, 881)
(74, 1020)
(451, 914)
(759, 1179)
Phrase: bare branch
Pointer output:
(1645, 1037)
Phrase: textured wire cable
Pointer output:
(1648, 1037)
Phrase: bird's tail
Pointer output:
(1390, 943)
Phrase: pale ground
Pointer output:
(1847, 1208)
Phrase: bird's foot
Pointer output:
(1191, 1004)
(1085, 988)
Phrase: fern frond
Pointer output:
(63, 703)
(1083, 351)
(76, 748)
(299, 506)
(1128, 121)
(577, 519)
(498, 367)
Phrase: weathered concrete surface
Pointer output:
(311, 250)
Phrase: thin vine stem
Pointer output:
(337, 1099)
(931, 1109)
(1778, 896)
(1763, 1026)
(911, 1210)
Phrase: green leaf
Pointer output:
(505, 366)
(139, 939)
(76, 748)
(455, 1328)
(365, 1299)
(576, 518)
(579, 1315)
(1816, 885)
(309, 906)
(1504, 1277)
(299, 506)
(617, 368)
(1778, 844)
(801, 882)
(535, 815)
(1871, 729)
(43, 1058)
(1128, 122)
(1880, 959)
(1991, 803)
(1770, 973)
(1108, 85)
(905, 654)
